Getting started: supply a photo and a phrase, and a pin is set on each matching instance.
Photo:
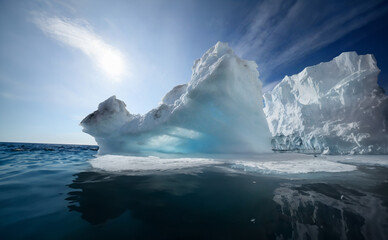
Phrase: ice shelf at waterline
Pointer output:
(334, 107)
(220, 110)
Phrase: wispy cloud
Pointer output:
(279, 32)
(80, 35)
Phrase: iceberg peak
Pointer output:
(219, 110)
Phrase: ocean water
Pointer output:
(67, 192)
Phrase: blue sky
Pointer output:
(59, 59)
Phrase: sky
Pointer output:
(60, 59)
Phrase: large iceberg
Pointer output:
(219, 111)
(334, 107)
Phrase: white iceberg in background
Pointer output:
(219, 111)
(334, 107)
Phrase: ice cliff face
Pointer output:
(334, 107)
(219, 111)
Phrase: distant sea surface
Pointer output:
(53, 192)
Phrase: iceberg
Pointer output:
(220, 110)
(334, 107)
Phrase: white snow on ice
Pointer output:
(115, 163)
(291, 163)
(294, 166)
(275, 163)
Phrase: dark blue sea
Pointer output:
(53, 192)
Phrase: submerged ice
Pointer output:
(334, 107)
(325, 210)
(220, 110)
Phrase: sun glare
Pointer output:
(111, 62)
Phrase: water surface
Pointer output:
(53, 192)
